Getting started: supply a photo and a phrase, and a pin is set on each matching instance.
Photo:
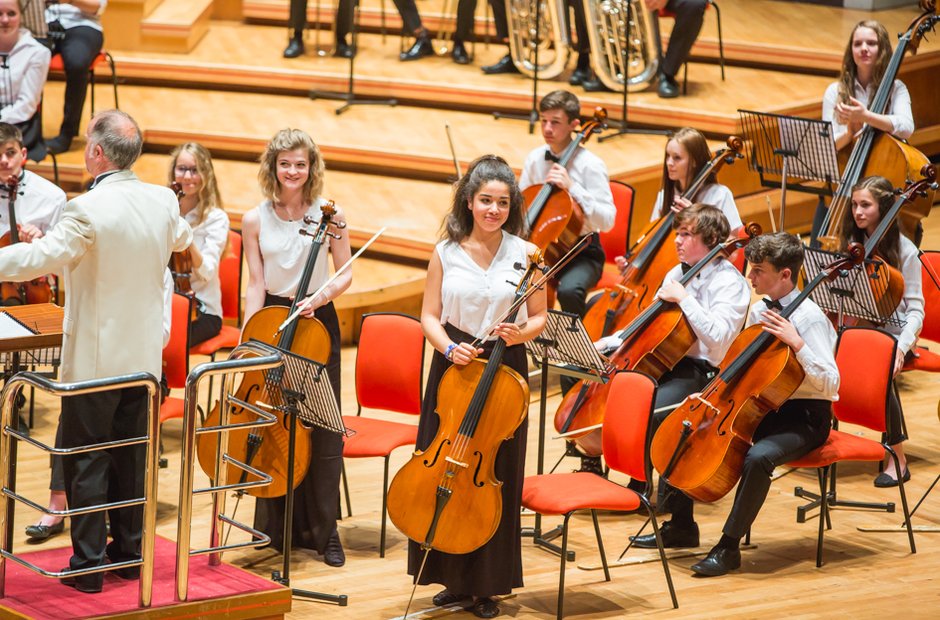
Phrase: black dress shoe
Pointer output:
(422, 47)
(579, 76)
(459, 54)
(445, 598)
(485, 607)
(719, 561)
(673, 537)
(39, 533)
(89, 584)
(594, 85)
(592, 465)
(334, 555)
(503, 65)
(885, 481)
(59, 144)
(343, 50)
(295, 48)
(668, 87)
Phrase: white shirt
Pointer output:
(71, 16)
(817, 355)
(472, 298)
(40, 203)
(590, 185)
(22, 81)
(167, 305)
(714, 194)
(911, 308)
(899, 109)
(210, 237)
(284, 251)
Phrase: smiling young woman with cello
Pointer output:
(291, 179)
(470, 284)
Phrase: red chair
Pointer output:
(721, 44)
(176, 358)
(737, 257)
(57, 66)
(865, 358)
(626, 449)
(925, 359)
(615, 240)
(389, 369)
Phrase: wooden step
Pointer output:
(176, 25)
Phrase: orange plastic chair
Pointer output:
(615, 240)
(57, 66)
(737, 257)
(925, 359)
(389, 369)
(865, 358)
(176, 358)
(626, 449)
(721, 44)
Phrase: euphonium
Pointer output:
(623, 42)
(550, 37)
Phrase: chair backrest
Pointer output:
(615, 240)
(176, 351)
(626, 422)
(930, 277)
(865, 358)
(390, 363)
(230, 277)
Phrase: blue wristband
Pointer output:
(450, 349)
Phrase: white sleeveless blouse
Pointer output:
(473, 298)
(284, 251)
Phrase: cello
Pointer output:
(700, 447)
(653, 344)
(649, 260)
(266, 448)
(553, 219)
(37, 291)
(181, 268)
(879, 153)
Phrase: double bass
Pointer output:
(266, 448)
(37, 291)
(650, 259)
(553, 219)
(653, 344)
(700, 447)
(879, 153)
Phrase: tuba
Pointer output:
(623, 42)
(549, 40)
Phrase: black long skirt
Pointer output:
(317, 496)
(496, 567)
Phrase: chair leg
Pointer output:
(721, 42)
(600, 545)
(91, 85)
(685, 78)
(384, 507)
(346, 490)
(662, 555)
(907, 514)
(114, 77)
(823, 512)
(560, 613)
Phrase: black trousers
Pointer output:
(345, 12)
(581, 30)
(689, 17)
(104, 476)
(204, 327)
(896, 431)
(574, 281)
(80, 46)
(465, 15)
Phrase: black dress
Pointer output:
(316, 498)
(496, 567)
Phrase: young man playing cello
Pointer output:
(802, 423)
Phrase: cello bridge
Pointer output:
(707, 404)
(455, 462)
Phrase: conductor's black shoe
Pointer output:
(89, 584)
(445, 598)
(594, 85)
(668, 87)
(343, 50)
(334, 555)
(503, 65)
(295, 47)
(39, 533)
(719, 561)
(459, 54)
(422, 47)
(485, 607)
(673, 537)
(578, 76)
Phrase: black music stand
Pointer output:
(301, 388)
(533, 115)
(790, 146)
(565, 347)
(349, 97)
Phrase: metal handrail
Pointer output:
(247, 357)
(8, 444)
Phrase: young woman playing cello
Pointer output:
(469, 284)
(845, 103)
(871, 199)
(201, 207)
(291, 179)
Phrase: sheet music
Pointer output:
(11, 328)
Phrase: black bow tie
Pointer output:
(773, 305)
(550, 157)
(685, 268)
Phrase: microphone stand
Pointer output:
(533, 115)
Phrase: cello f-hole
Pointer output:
(437, 454)
(476, 473)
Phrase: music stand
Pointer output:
(349, 97)
(565, 347)
(790, 146)
(301, 389)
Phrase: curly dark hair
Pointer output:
(459, 222)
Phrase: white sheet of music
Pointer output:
(11, 328)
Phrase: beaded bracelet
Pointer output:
(450, 349)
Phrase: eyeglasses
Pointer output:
(181, 171)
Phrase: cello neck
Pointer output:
(313, 253)
(535, 209)
(12, 189)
